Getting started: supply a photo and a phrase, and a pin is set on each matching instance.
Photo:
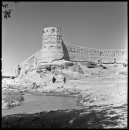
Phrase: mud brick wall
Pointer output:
(53, 48)
(95, 55)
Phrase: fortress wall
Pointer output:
(95, 55)
(16, 70)
(53, 48)
(75, 54)
(29, 64)
(121, 56)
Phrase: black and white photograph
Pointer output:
(64, 64)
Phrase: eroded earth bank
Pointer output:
(101, 91)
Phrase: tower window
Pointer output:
(53, 30)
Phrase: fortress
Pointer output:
(53, 48)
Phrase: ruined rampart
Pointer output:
(96, 55)
(53, 48)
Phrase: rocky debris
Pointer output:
(7, 105)
(11, 98)
(123, 71)
(11, 95)
(60, 89)
(8, 77)
(58, 78)
(77, 68)
(65, 90)
(38, 85)
(73, 71)
(68, 70)
(8, 81)
(91, 65)
(26, 82)
(55, 66)
(102, 70)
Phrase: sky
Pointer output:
(101, 25)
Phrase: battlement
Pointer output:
(51, 35)
(52, 30)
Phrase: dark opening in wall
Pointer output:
(48, 68)
(19, 70)
(53, 30)
(51, 46)
(91, 64)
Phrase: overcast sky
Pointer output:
(101, 25)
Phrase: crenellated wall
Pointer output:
(53, 48)
(95, 55)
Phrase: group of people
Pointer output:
(54, 79)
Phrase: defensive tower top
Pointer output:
(51, 34)
(52, 30)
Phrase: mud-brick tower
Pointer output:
(52, 48)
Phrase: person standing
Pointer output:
(53, 79)
(64, 79)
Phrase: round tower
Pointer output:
(52, 48)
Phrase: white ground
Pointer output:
(100, 86)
